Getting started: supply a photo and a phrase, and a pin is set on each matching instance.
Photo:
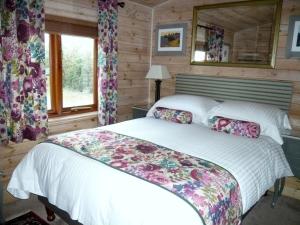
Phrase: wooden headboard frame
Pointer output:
(277, 93)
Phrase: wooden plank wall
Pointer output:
(134, 57)
(177, 11)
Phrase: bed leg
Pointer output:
(50, 214)
(278, 189)
(276, 193)
(282, 184)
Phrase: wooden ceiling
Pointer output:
(150, 3)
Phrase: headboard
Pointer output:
(278, 93)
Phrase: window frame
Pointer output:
(56, 78)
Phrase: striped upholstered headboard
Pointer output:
(278, 93)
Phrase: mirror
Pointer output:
(241, 34)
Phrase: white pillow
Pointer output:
(199, 106)
(270, 118)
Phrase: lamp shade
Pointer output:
(158, 72)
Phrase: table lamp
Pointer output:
(158, 73)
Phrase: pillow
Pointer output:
(235, 127)
(270, 118)
(199, 106)
(174, 115)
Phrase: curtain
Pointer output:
(23, 103)
(107, 61)
(215, 43)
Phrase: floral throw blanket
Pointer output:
(211, 190)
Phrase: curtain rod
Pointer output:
(205, 27)
(121, 4)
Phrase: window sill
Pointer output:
(53, 121)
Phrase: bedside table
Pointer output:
(140, 111)
(291, 148)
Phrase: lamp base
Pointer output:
(157, 90)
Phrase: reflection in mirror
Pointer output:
(236, 33)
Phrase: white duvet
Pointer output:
(95, 194)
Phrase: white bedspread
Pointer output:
(96, 194)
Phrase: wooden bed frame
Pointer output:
(277, 93)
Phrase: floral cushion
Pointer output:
(174, 115)
(235, 127)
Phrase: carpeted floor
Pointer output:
(286, 212)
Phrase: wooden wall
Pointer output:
(134, 58)
(177, 11)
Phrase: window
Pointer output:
(77, 70)
(70, 66)
(47, 71)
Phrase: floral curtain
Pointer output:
(215, 43)
(23, 103)
(107, 61)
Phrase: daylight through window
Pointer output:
(70, 69)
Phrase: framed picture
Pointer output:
(293, 43)
(171, 39)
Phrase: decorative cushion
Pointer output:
(199, 106)
(174, 115)
(235, 127)
(270, 118)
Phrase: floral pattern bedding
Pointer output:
(210, 189)
(174, 115)
(235, 127)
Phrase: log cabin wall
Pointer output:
(178, 11)
(134, 57)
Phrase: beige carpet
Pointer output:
(286, 212)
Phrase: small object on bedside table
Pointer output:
(140, 111)
(291, 148)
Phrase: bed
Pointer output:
(100, 194)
